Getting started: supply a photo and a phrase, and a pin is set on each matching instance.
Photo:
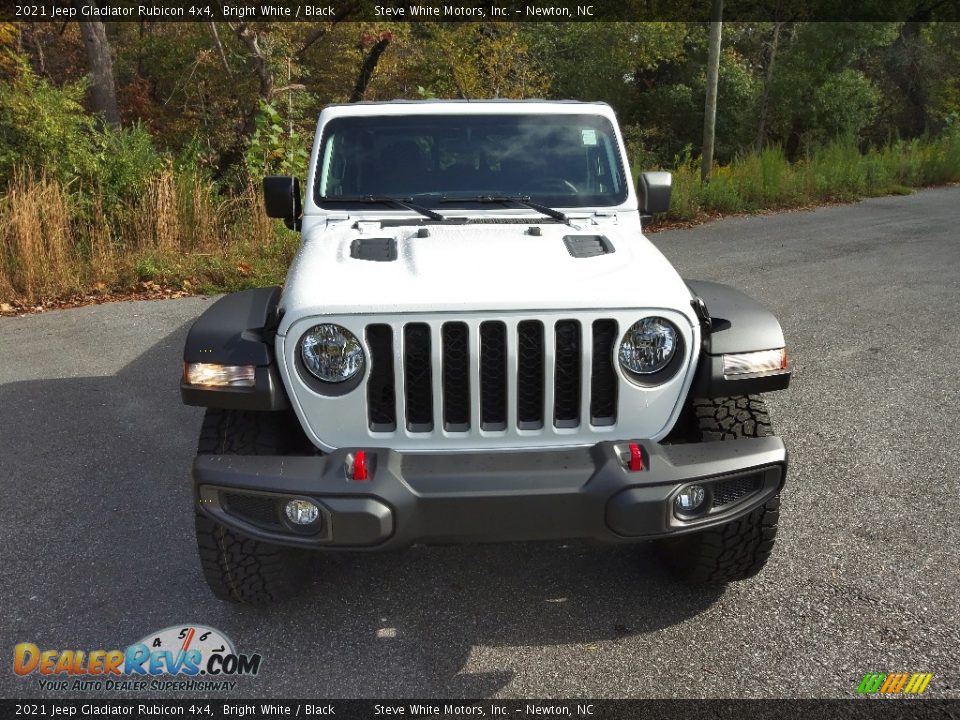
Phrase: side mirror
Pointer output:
(654, 191)
(282, 198)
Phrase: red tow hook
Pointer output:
(357, 469)
(635, 464)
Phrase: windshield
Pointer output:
(555, 160)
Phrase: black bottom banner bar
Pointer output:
(600, 709)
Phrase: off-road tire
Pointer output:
(238, 432)
(237, 568)
(740, 548)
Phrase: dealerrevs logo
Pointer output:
(894, 683)
(198, 657)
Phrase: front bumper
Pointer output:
(489, 497)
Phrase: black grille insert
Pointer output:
(729, 491)
(463, 376)
(566, 391)
(530, 375)
(418, 377)
(603, 377)
(381, 394)
(255, 509)
(493, 375)
(456, 377)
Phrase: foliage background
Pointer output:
(166, 199)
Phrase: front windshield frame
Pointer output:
(603, 164)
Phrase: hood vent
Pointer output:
(586, 246)
(376, 249)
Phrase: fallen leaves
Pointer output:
(704, 216)
(101, 293)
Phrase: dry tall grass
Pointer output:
(38, 251)
(180, 231)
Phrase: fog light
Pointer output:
(302, 512)
(690, 500)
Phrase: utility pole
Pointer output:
(713, 70)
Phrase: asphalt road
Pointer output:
(97, 547)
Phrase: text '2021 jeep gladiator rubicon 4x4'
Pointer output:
(475, 342)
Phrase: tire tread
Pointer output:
(739, 549)
(240, 569)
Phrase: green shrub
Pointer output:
(274, 149)
(125, 161)
(45, 128)
(835, 171)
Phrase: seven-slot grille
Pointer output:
(492, 375)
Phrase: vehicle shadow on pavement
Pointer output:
(450, 621)
(99, 515)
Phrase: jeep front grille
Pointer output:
(492, 375)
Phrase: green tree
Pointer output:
(821, 89)
(478, 60)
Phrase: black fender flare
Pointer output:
(238, 329)
(735, 323)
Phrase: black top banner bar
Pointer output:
(864, 709)
(476, 10)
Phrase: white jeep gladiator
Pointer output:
(475, 343)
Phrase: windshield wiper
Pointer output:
(384, 199)
(523, 200)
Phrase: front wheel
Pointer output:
(740, 548)
(240, 569)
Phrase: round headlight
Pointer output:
(648, 346)
(331, 353)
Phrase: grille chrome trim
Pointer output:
(586, 373)
(399, 379)
(436, 374)
(549, 375)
